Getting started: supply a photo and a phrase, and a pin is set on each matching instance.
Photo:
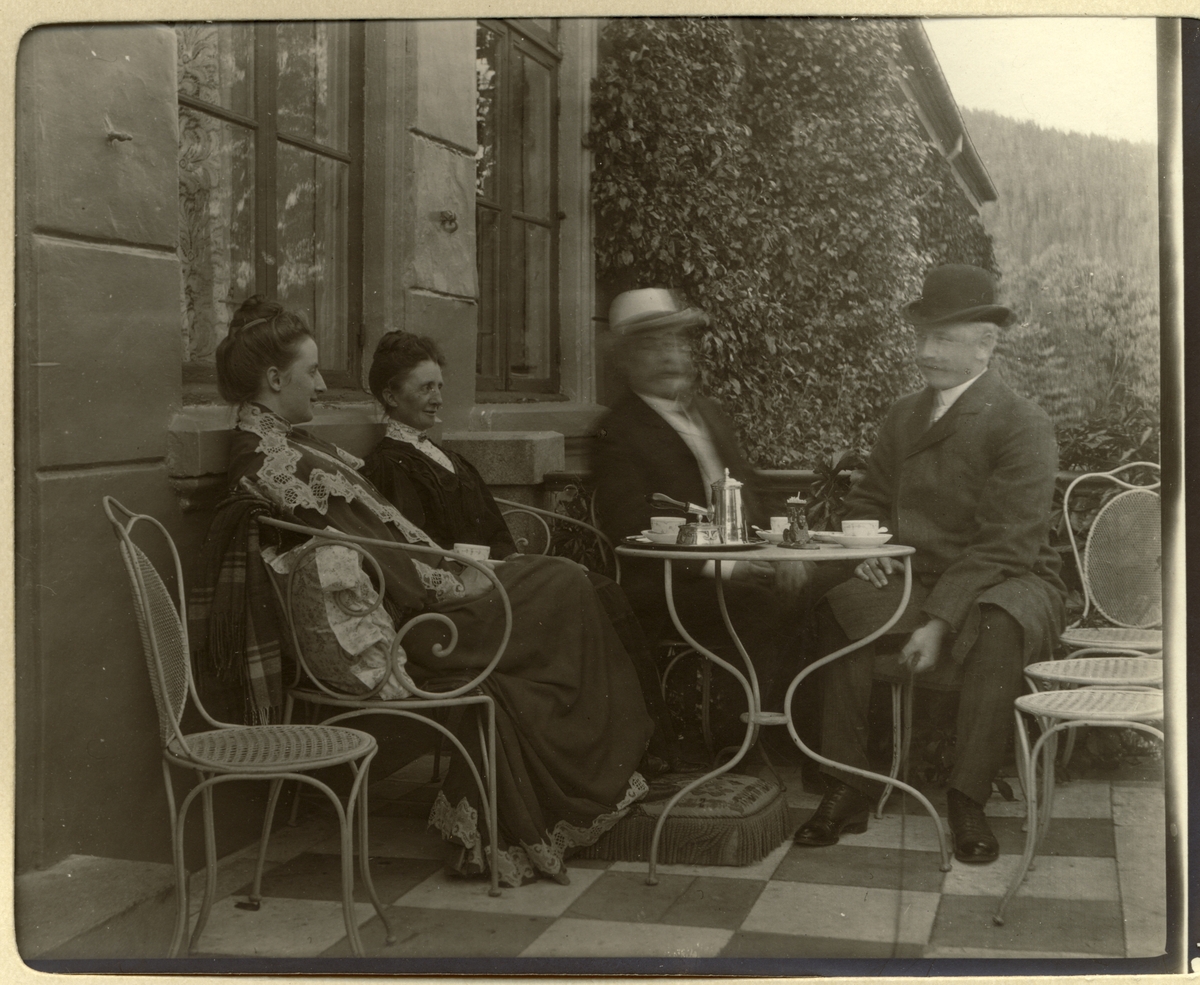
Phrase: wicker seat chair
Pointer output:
(1120, 567)
(1121, 573)
(232, 752)
(1113, 675)
(1128, 706)
(331, 704)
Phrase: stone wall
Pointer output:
(98, 375)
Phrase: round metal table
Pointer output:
(757, 716)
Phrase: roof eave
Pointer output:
(939, 112)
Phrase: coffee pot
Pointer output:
(729, 513)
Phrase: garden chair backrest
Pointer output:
(364, 546)
(1121, 563)
(162, 623)
(546, 517)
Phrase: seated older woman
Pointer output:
(443, 493)
(433, 486)
(570, 720)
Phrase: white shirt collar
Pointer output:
(665, 405)
(946, 398)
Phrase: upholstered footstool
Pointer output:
(731, 819)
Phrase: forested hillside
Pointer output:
(1075, 231)
(1068, 189)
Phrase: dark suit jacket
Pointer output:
(638, 453)
(972, 493)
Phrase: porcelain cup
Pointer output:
(779, 524)
(666, 524)
(862, 528)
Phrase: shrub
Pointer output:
(1086, 347)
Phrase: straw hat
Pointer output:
(648, 309)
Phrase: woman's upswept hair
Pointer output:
(397, 355)
(262, 333)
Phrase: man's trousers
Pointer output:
(992, 679)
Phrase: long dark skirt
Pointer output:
(664, 743)
(570, 721)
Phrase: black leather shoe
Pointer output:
(841, 809)
(973, 839)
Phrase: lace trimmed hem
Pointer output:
(520, 864)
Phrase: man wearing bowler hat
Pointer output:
(964, 472)
(661, 436)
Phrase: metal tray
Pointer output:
(642, 543)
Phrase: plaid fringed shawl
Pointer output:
(232, 623)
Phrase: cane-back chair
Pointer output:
(1128, 706)
(230, 752)
(1120, 570)
(1120, 566)
(331, 703)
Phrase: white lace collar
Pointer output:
(420, 440)
(279, 480)
(399, 431)
(264, 422)
(259, 420)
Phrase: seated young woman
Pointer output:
(570, 721)
(443, 493)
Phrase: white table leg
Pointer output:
(749, 686)
(857, 645)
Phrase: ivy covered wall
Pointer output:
(772, 171)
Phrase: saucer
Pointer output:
(654, 538)
(771, 537)
(869, 540)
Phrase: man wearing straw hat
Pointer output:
(663, 437)
(963, 471)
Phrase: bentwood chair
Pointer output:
(229, 752)
(463, 690)
(1120, 567)
(1128, 706)
(1120, 570)
(546, 518)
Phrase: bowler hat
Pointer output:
(648, 309)
(957, 292)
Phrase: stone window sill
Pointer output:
(517, 397)
(198, 436)
(511, 444)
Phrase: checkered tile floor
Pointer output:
(1098, 890)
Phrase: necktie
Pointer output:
(939, 408)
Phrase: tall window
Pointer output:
(270, 182)
(516, 204)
